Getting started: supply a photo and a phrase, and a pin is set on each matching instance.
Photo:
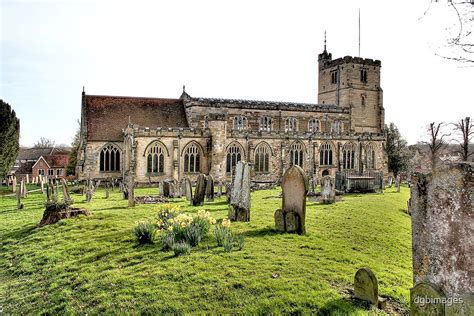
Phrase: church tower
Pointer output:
(353, 82)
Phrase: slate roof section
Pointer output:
(262, 105)
(106, 116)
(34, 153)
(57, 161)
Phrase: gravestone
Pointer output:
(312, 185)
(188, 189)
(168, 189)
(161, 188)
(421, 297)
(19, 205)
(397, 183)
(239, 208)
(14, 184)
(107, 193)
(210, 188)
(390, 181)
(293, 211)
(441, 208)
(328, 190)
(27, 179)
(219, 189)
(131, 192)
(366, 286)
(200, 190)
(66, 196)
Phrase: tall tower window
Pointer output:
(234, 155)
(262, 158)
(192, 159)
(156, 158)
(334, 76)
(370, 156)
(348, 156)
(206, 122)
(291, 124)
(363, 75)
(109, 158)
(336, 127)
(297, 154)
(325, 155)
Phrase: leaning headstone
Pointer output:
(390, 181)
(14, 184)
(188, 189)
(366, 286)
(441, 208)
(328, 190)
(200, 190)
(239, 208)
(66, 196)
(293, 211)
(210, 188)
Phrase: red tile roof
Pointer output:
(57, 161)
(106, 116)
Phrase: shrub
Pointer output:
(193, 235)
(221, 231)
(228, 242)
(167, 240)
(56, 206)
(144, 232)
(240, 241)
(166, 213)
(181, 248)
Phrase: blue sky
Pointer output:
(247, 49)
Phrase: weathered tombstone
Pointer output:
(161, 188)
(312, 185)
(210, 188)
(397, 183)
(293, 211)
(166, 189)
(441, 208)
(27, 179)
(42, 185)
(390, 181)
(239, 208)
(422, 297)
(107, 190)
(22, 188)
(219, 189)
(19, 205)
(66, 196)
(188, 189)
(200, 190)
(131, 192)
(14, 184)
(366, 286)
(328, 190)
(171, 189)
(89, 191)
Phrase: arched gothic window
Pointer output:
(314, 125)
(336, 127)
(266, 123)
(348, 156)
(291, 124)
(262, 158)
(234, 155)
(240, 122)
(109, 158)
(192, 158)
(156, 158)
(297, 154)
(325, 155)
(370, 156)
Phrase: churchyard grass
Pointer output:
(94, 264)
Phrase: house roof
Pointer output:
(106, 116)
(24, 168)
(36, 152)
(57, 161)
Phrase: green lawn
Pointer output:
(93, 265)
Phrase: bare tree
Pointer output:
(465, 129)
(44, 143)
(436, 142)
(460, 35)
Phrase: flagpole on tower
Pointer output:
(359, 32)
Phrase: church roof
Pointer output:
(106, 116)
(262, 105)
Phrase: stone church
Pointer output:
(155, 139)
